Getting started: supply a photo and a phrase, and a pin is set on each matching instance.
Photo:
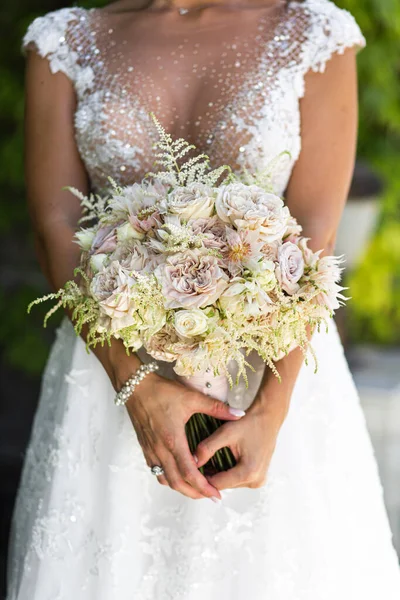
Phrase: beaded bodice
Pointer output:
(229, 81)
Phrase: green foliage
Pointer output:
(379, 88)
(379, 69)
(375, 284)
(375, 288)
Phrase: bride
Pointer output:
(256, 84)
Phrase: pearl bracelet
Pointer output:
(126, 391)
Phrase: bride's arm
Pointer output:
(159, 408)
(316, 195)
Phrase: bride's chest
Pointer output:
(232, 99)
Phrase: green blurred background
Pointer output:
(375, 284)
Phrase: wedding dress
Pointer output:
(91, 521)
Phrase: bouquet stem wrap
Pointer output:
(201, 426)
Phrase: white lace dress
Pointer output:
(91, 522)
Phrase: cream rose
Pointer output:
(291, 267)
(189, 323)
(194, 201)
(251, 207)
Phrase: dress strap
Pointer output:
(60, 36)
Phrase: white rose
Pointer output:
(189, 323)
(194, 201)
(126, 233)
(251, 207)
(291, 267)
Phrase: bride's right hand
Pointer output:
(159, 409)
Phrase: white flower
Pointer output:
(243, 249)
(97, 262)
(85, 238)
(153, 319)
(135, 198)
(263, 272)
(293, 228)
(194, 201)
(326, 278)
(126, 232)
(251, 207)
(291, 267)
(189, 323)
(245, 297)
(310, 258)
(132, 340)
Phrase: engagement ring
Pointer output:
(157, 470)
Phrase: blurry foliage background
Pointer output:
(375, 285)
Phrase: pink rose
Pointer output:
(291, 267)
(251, 207)
(111, 289)
(191, 279)
(167, 345)
(136, 257)
(213, 229)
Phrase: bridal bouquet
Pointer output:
(199, 267)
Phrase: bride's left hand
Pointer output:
(252, 441)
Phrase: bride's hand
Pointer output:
(159, 409)
(252, 441)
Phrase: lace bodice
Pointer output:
(230, 84)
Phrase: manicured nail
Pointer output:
(236, 412)
(215, 499)
(195, 458)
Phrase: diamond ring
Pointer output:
(157, 470)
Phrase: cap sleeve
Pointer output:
(54, 37)
(331, 30)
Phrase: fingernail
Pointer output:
(236, 412)
(215, 499)
(195, 458)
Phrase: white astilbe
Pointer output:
(178, 172)
(93, 206)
